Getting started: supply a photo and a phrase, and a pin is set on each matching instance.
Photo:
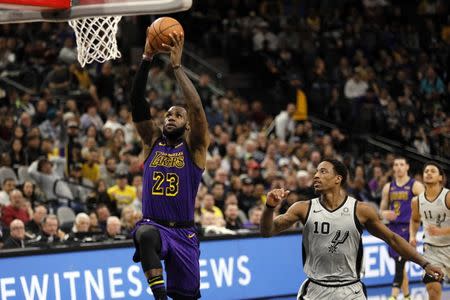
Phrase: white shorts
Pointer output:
(438, 256)
(313, 291)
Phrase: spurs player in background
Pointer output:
(395, 207)
(175, 160)
(432, 207)
(332, 243)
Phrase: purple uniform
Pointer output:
(400, 202)
(170, 185)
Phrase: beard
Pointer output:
(175, 134)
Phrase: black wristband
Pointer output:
(425, 265)
(270, 206)
(176, 66)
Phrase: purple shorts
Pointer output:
(402, 229)
(181, 252)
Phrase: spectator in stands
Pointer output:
(232, 199)
(103, 214)
(356, 86)
(232, 217)
(33, 227)
(80, 231)
(15, 210)
(254, 216)
(73, 146)
(104, 84)
(100, 196)
(52, 126)
(48, 180)
(218, 192)
(127, 220)
(90, 117)
(58, 80)
(80, 77)
(33, 149)
(8, 185)
(432, 87)
(108, 171)
(305, 190)
(50, 234)
(17, 235)
(284, 122)
(94, 225)
(246, 198)
(122, 193)
(114, 230)
(18, 154)
(214, 225)
(209, 206)
(68, 53)
(376, 184)
(91, 167)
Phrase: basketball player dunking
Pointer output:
(175, 159)
(395, 207)
(332, 244)
(432, 207)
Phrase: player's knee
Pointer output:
(148, 235)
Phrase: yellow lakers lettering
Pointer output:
(399, 196)
(169, 160)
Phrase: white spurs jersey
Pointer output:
(332, 245)
(435, 213)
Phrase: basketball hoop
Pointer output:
(96, 38)
(95, 22)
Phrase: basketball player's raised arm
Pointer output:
(198, 136)
(369, 218)
(414, 223)
(140, 109)
(270, 226)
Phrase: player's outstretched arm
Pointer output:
(368, 217)
(140, 109)
(270, 226)
(198, 136)
(414, 224)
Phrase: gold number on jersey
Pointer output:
(173, 184)
(173, 180)
(158, 179)
(397, 207)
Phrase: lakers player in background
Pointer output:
(432, 207)
(395, 207)
(332, 244)
(175, 160)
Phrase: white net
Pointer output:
(96, 38)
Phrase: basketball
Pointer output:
(160, 29)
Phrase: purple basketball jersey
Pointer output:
(170, 183)
(400, 200)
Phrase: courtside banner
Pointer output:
(229, 269)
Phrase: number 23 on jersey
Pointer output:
(165, 184)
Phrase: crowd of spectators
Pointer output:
(378, 67)
(70, 165)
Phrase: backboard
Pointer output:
(24, 11)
